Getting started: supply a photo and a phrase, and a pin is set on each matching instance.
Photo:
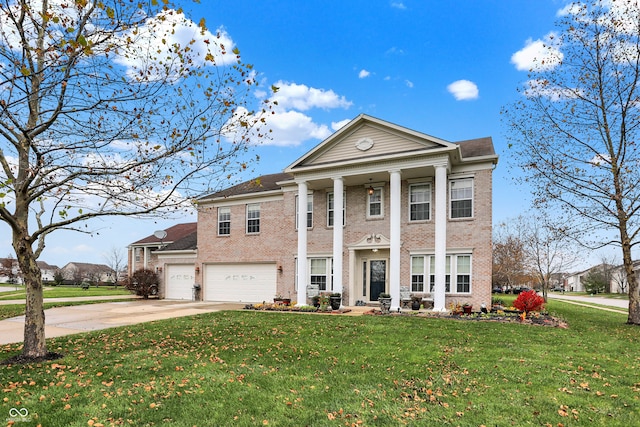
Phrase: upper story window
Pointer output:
(253, 218)
(419, 202)
(309, 211)
(330, 208)
(224, 221)
(461, 196)
(375, 207)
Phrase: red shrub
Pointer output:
(529, 301)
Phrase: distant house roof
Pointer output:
(255, 185)
(87, 267)
(44, 266)
(174, 233)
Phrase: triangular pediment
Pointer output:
(367, 137)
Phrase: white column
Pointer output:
(394, 236)
(441, 238)
(302, 243)
(338, 231)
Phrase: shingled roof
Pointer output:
(188, 242)
(174, 234)
(255, 185)
(476, 147)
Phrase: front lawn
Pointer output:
(289, 369)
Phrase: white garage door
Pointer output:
(180, 280)
(240, 282)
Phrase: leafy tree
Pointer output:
(575, 131)
(7, 268)
(143, 282)
(111, 108)
(58, 277)
(595, 281)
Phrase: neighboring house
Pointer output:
(375, 208)
(78, 272)
(10, 272)
(47, 271)
(143, 253)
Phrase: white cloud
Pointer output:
(409, 83)
(538, 54)
(463, 90)
(152, 52)
(363, 74)
(303, 98)
(398, 5)
(339, 125)
(542, 88)
(288, 124)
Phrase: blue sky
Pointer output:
(442, 68)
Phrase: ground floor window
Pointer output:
(321, 273)
(457, 273)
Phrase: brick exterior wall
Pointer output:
(277, 240)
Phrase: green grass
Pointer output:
(282, 369)
(67, 292)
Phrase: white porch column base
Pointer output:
(394, 240)
(440, 239)
(302, 244)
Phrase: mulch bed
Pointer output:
(539, 319)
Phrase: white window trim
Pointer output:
(344, 208)
(247, 219)
(453, 273)
(368, 205)
(309, 210)
(451, 181)
(416, 184)
(328, 272)
(227, 209)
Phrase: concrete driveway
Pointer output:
(62, 321)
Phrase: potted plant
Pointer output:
(385, 302)
(466, 308)
(315, 301)
(416, 301)
(335, 299)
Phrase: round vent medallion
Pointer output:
(364, 144)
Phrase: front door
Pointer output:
(377, 278)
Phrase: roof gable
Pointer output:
(368, 137)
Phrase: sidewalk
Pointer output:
(617, 305)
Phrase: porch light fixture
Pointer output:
(197, 270)
(370, 190)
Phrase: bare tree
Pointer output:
(509, 263)
(111, 108)
(115, 259)
(575, 131)
(549, 252)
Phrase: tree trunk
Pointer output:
(35, 346)
(634, 297)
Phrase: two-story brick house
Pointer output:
(374, 208)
